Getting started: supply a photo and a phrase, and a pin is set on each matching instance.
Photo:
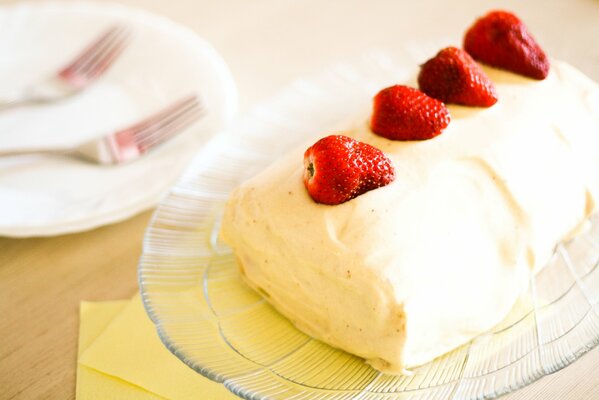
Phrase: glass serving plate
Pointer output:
(219, 327)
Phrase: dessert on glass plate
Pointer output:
(418, 229)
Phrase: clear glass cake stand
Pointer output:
(208, 318)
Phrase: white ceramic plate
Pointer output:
(164, 61)
(212, 321)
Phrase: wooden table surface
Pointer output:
(42, 280)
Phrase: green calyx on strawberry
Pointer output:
(338, 168)
(501, 39)
(404, 113)
(452, 76)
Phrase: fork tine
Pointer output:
(91, 50)
(161, 125)
(170, 129)
(105, 56)
(102, 52)
(148, 130)
(162, 114)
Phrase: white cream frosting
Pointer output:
(404, 273)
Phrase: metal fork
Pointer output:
(88, 66)
(132, 142)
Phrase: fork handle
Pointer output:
(32, 151)
(11, 102)
(18, 99)
(31, 96)
(23, 100)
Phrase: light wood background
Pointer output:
(266, 43)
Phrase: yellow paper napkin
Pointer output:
(121, 357)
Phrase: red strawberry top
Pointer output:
(452, 76)
(338, 168)
(404, 113)
(501, 39)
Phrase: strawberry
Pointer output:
(452, 76)
(405, 113)
(501, 39)
(338, 168)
